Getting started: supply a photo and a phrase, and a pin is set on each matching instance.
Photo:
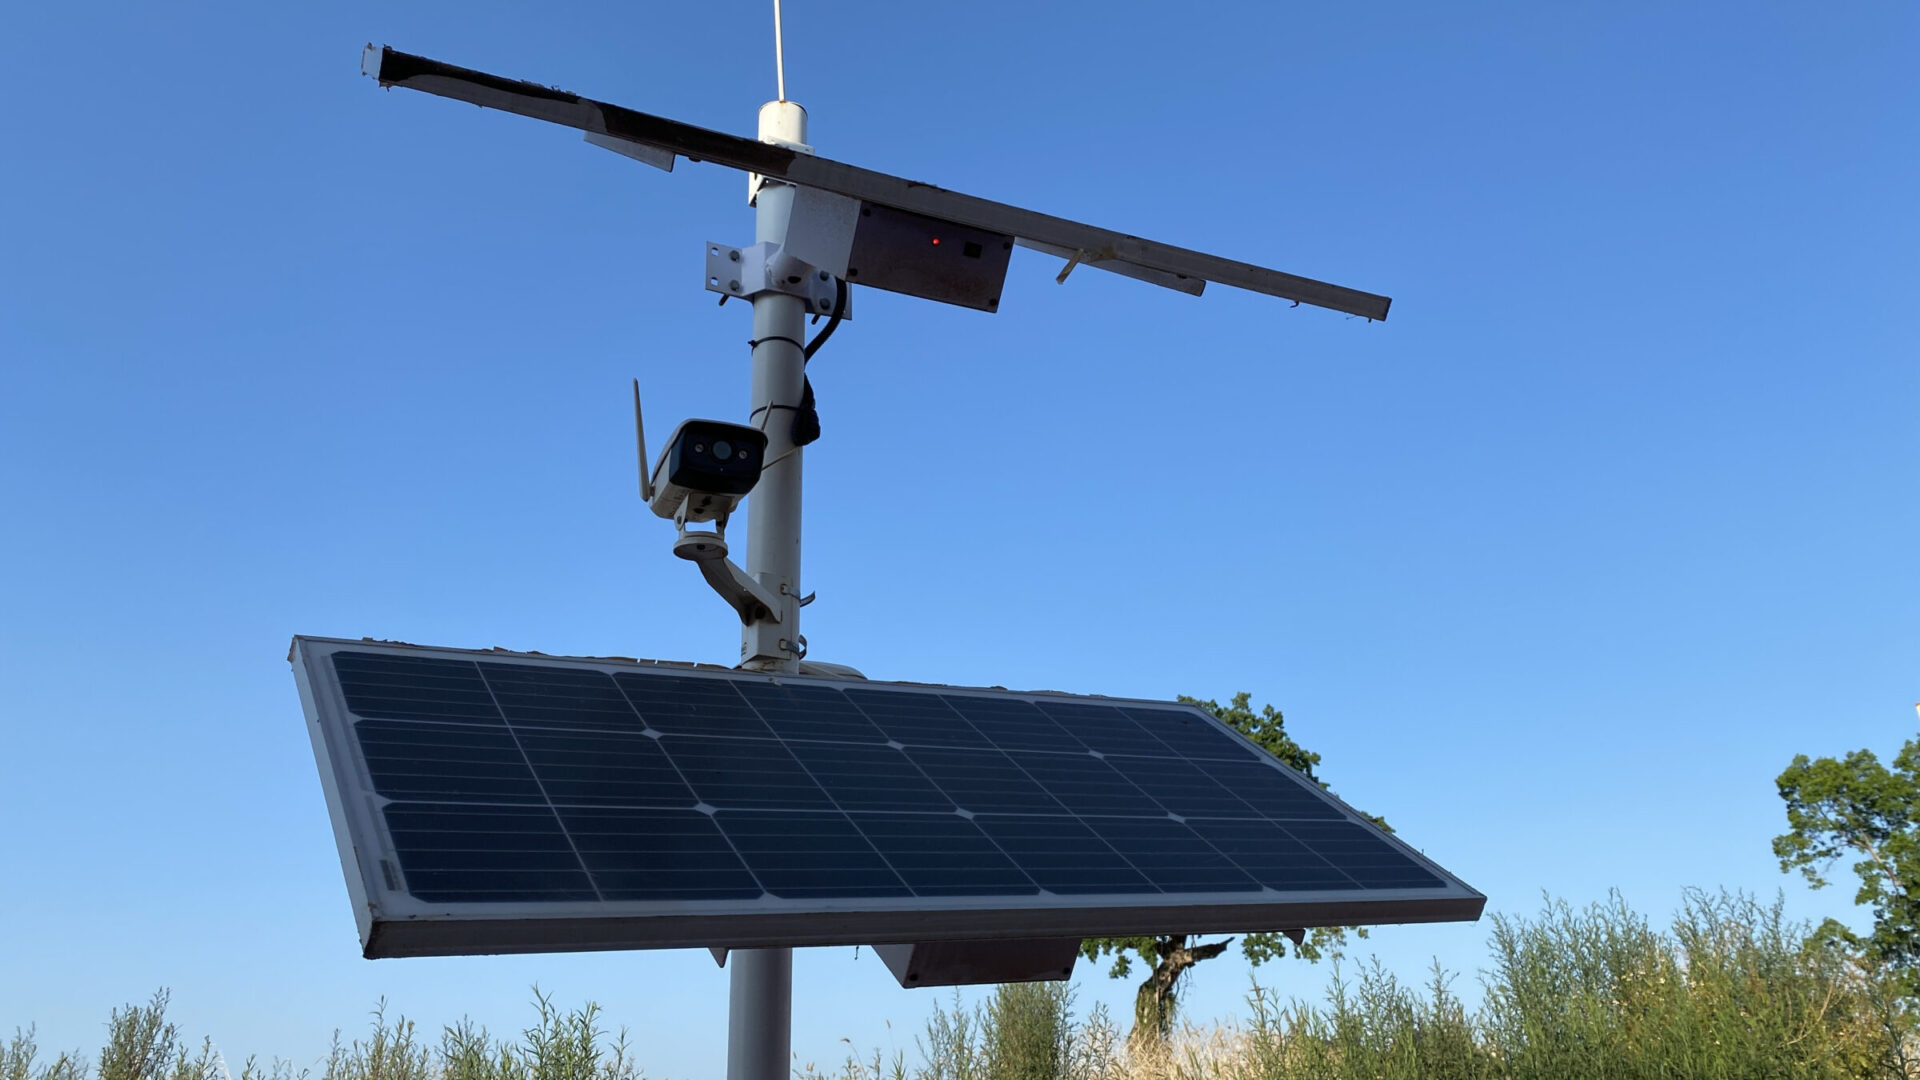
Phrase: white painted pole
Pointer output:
(760, 994)
(779, 372)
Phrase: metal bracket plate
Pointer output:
(764, 267)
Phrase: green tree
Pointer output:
(1170, 958)
(1856, 806)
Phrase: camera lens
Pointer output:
(722, 449)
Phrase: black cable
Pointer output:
(839, 310)
(806, 419)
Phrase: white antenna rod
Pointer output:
(640, 438)
(779, 54)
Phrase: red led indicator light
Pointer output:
(936, 241)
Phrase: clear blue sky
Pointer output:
(1558, 567)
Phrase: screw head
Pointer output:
(734, 285)
(823, 275)
(734, 256)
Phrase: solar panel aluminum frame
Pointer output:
(393, 922)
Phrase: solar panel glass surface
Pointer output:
(669, 791)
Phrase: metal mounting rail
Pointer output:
(1163, 264)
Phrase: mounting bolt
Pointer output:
(734, 285)
(734, 256)
(825, 304)
(823, 275)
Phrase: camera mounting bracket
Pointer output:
(749, 598)
(708, 551)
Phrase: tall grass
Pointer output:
(1025, 1031)
(1731, 990)
(143, 1045)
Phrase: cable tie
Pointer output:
(757, 342)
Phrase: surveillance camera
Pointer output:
(708, 467)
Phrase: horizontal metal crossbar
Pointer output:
(1164, 264)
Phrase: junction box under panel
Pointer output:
(969, 963)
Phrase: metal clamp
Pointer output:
(747, 272)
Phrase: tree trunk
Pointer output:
(1154, 1004)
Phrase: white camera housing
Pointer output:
(706, 469)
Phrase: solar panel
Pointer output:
(490, 802)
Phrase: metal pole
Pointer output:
(779, 370)
(760, 1014)
(760, 997)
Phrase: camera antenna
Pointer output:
(640, 440)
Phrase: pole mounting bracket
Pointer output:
(765, 267)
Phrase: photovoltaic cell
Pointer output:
(580, 768)
(1012, 724)
(537, 781)
(1171, 855)
(1182, 787)
(446, 763)
(744, 774)
(943, 855)
(1367, 859)
(1082, 783)
(984, 781)
(1064, 856)
(1271, 793)
(414, 688)
(485, 853)
(870, 778)
(655, 854)
(531, 697)
(1103, 728)
(1281, 863)
(810, 854)
(917, 719)
(810, 712)
(1189, 735)
(677, 704)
